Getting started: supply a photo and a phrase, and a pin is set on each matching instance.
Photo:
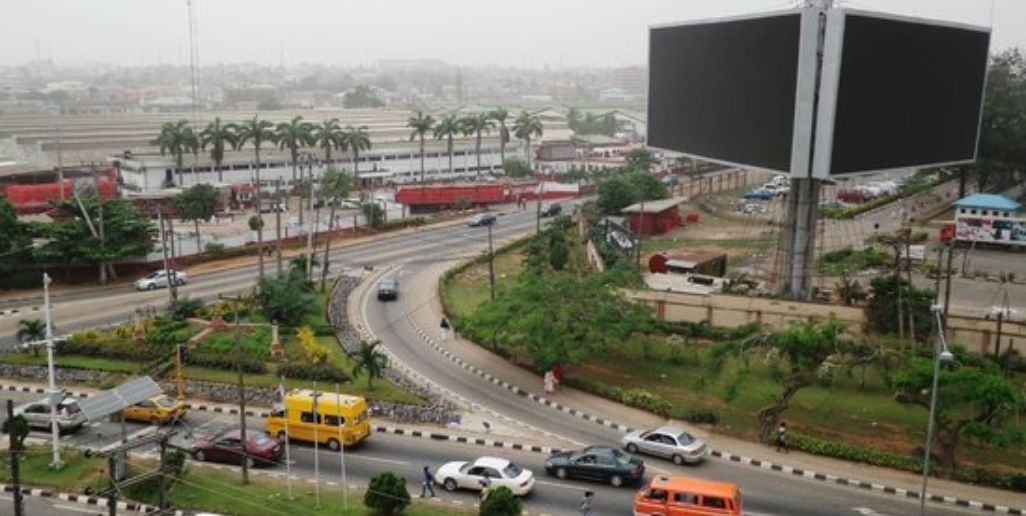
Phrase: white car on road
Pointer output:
(669, 442)
(493, 471)
(159, 279)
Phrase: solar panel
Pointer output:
(119, 398)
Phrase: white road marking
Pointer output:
(866, 511)
(76, 509)
(375, 459)
(563, 486)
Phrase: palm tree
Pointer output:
(334, 184)
(31, 330)
(500, 115)
(526, 126)
(293, 135)
(420, 124)
(258, 131)
(477, 124)
(446, 128)
(176, 138)
(328, 136)
(369, 358)
(217, 136)
(355, 140)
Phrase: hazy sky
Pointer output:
(522, 33)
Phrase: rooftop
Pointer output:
(653, 206)
(988, 202)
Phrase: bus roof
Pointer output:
(688, 484)
(326, 401)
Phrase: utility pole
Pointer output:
(162, 495)
(54, 394)
(112, 498)
(947, 287)
(277, 221)
(491, 264)
(242, 388)
(172, 283)
(641, 231)
(180, 370)
(171, 291)
(15, 457)
(60, 163)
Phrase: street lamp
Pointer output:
(54, 394)
(942, 355)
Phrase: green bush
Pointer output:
(321, 373)
(501, 502)
(97, 344)
(225, 361)
(845, 451)
(976, 475)
(169, 333)
(20, 279)
(387, 494)
(214, 249)
(701, 417)
(184, 308)
(637, 398)
(254, 344)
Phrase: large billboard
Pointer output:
(891, 92)
(726, 90)
(898, 92)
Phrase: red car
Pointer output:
(227, 447)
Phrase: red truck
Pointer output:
(440, 197)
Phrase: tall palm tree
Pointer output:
(294, 135)
(475, 125)
(259, 132)
(500, 114)
(420, 124)
(218, 136)
(370, 359)
(31, 330)
(447, 127)
(327, 136)
(355, 140)
(334, 184)
(176, 138)
(527, 125)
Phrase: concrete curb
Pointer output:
(82, 499)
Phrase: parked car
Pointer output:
(160, 279)
(853, 195)
(272, 207)
(551, 210)
(37, 414)
(761, 194)
(668, 442)
(481, 219)
(157, 410)
(227, 448)
(493, 471)
(596, 463)
(388, 289)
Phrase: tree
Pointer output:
(294, 135)
(368, 358)
(501, 502)
(641, 159)
(31, 330)
(286, 298)
(883, 313)
(259, 132)
(125, 234)
(335, 186)
(184, 308)
(527, 126)
(176, 139)
(328, 136)
(500, 115)
(446, 129)
(218, 137)
(475, 125)
(356, 140)
(972, 402)
(373, 213)
(573, 119)
(387, 494)
(850, 289)
(198, 202)
(361, 97)
(614, 195)
(420, 125)
(1002, 156)
(514, 167)
(15, 241)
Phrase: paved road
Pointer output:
(765, 493)
(36, 506)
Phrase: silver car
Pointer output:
(160, 279)
(667, 442)
(37, 414)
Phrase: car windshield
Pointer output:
(512, 471)
(166, 401)
(153, 274)
(685, 438)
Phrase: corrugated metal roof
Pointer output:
(988, 202)
(654, 206)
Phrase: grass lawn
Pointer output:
(756, 243)
(78, 472)
(223, 493)
(466, 291)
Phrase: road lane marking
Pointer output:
(76, 509)
(559, 485)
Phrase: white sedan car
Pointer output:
(160, 279)
(493, 471)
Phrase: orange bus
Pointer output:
(684, 496)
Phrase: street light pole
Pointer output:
(941, 354)
(491, 264)
(55, 395)
(242, 390)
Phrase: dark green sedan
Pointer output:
(596, 463)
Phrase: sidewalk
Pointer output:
(425, 288)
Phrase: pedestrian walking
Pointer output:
(429, 483)
(585, 507)
(782, 437)
(444, 327)
(549, 382)
(486, 489)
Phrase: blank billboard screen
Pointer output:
(725, 90)
(908, 94)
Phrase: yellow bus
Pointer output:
(298, 415)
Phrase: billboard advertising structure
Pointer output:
(890, 92)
